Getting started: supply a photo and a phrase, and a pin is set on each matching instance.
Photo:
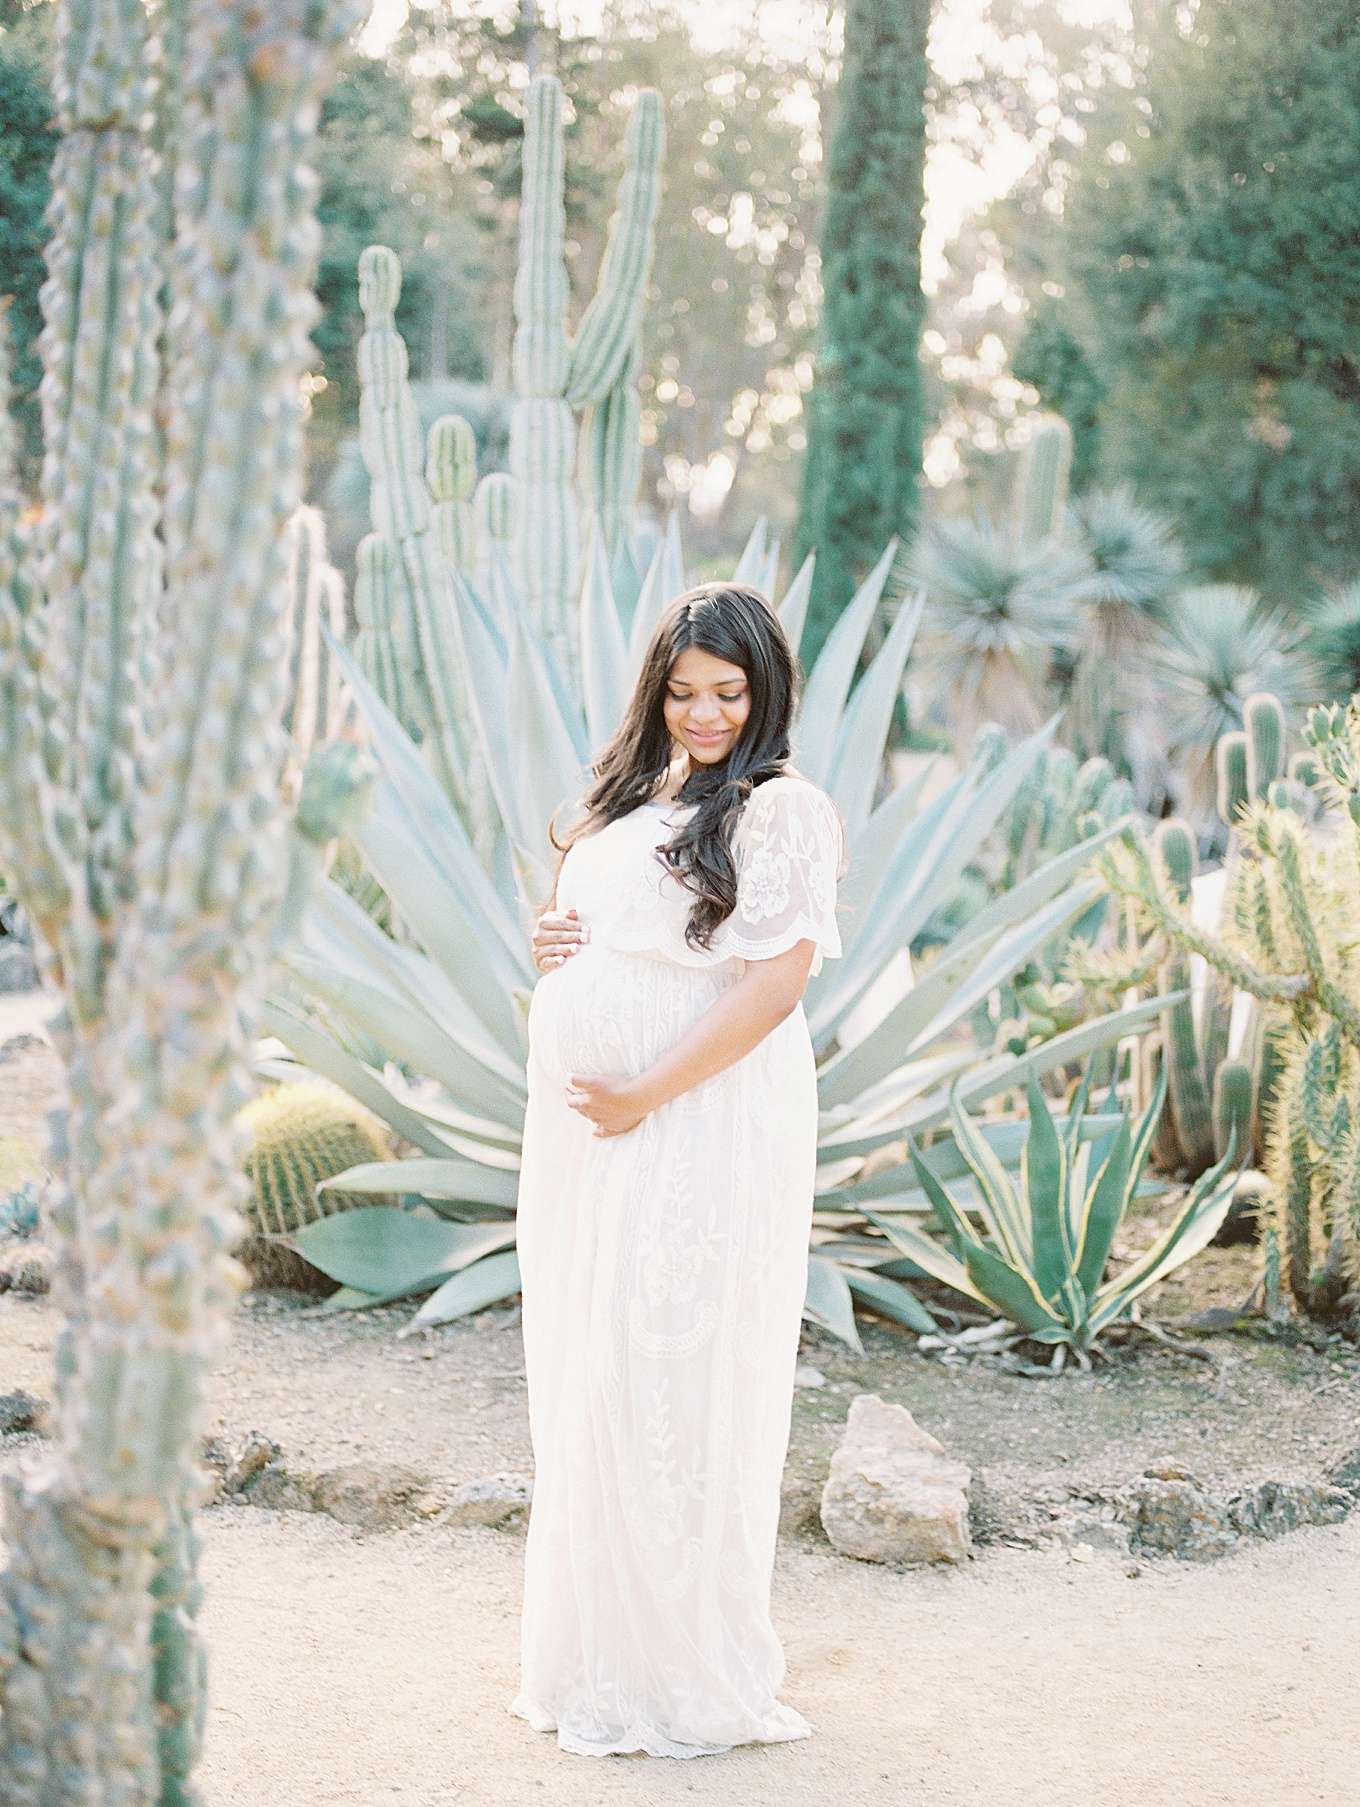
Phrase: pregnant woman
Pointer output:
(665, 1199)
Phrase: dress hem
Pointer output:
(783, 1725)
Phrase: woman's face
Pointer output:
(706, 703)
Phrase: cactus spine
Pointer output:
(554, 376)
(142, 689)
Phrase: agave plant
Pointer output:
(1042, 1260)
(444, 1016)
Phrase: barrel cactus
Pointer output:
(301, 1132)
(143, 683)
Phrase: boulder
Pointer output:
(1275, 1507)
(26, 1266)
(372, 1497)
(494, 1499)
(21, 1411)
(892, 1494)
(1170, 1514)
(1346, 1474)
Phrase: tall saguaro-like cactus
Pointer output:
(555, 375)
(143, 674)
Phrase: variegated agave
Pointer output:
(431, 1034)
(1047, 1242)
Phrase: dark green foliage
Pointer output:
(377, 184)
(1217, 274)
(863, 460)
(28, 142)
(1052, 358)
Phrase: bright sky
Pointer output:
(955, 184)
(959, 181)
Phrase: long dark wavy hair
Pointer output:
(733, 622)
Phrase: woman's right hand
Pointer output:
(557, 935)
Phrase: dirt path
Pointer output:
(351, 1671)
(362, 1670)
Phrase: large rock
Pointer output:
(1345, 1474)
(1169, 1514)
(21, 1411)
(495, 1499)
(1276, 1507)
(893, 1495)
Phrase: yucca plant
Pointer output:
(1046, 1242)
(1221, 645)
(1136, 565)
(1001, 596)
(997, 608)
(1334, 642)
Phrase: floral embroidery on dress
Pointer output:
(790, 852)
(764, 889)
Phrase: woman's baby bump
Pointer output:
(605, 1011)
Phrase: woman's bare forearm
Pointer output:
(734, 1024)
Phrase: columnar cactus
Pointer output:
(1041, 481)
(143, 671)
(1209, 1094)
(451, 475)
(317, 710)
(494, 508)
(402, 512)
(377, 610)
(1287, 938)
(554, 375)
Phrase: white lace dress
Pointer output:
(664, 1272)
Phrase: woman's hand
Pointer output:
(613, 1105)
(557, 935)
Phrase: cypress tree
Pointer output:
(861, 470)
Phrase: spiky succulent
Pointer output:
(1334, 642)
(1136, 564)
(1220, 646)
(995, 611)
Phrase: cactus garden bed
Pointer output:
(344, 1392)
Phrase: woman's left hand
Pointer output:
(613, 1105)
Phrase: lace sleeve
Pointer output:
(790, 850)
